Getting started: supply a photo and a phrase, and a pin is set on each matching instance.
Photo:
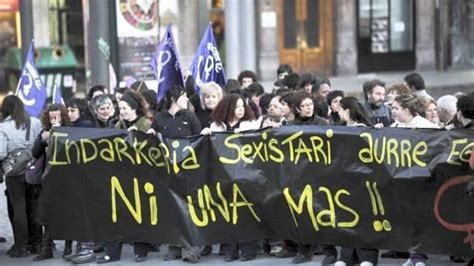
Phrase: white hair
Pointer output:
(448, 103)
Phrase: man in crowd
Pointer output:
(447, 108)
(379, 113)
(417, 85)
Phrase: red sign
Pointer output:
(8, 5)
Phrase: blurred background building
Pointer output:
(116, 38)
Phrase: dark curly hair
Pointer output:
(465, 105)
(52, 108)
(247, 74)
(225, 109)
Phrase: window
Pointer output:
(387, 24)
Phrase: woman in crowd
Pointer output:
(303, 107)
(133, 113)
(176, 121)
(289, 248)
(431, 112)
(394, 90)
(17, 131)
(78, 113)
(233, 114)
(104, 111)
(54, 115)
(151, 102)
(406, 109)
(286, 104)
(211, 94)
(333, 101)
(353, 114)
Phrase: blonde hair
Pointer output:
(211, 87)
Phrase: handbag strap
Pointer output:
(28, 127)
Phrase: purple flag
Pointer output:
(30, 88)
(207, 65)
(165, 64)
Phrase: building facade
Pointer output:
(333, 37)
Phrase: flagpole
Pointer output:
(18, 85)
(55, 88)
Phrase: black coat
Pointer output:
(183, 124)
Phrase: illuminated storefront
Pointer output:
(9, 26)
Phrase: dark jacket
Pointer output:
(183, 124)
(107, 124)
(82, 122)
(314, 120)
(39, 146)
(204, 117)
(382, 114)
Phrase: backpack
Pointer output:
(17, 160)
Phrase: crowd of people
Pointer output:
(240, 105)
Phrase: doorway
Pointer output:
(306, 35)
(386, 35)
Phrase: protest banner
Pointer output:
(398, 189)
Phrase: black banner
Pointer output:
(397, 189)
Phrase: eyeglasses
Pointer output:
(306, 105)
